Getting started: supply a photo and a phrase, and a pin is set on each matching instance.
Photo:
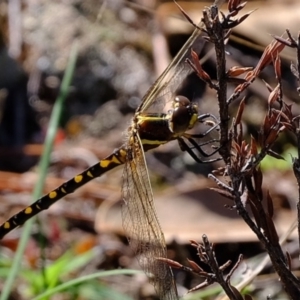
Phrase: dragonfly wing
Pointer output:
(141, 223)
(173, 75)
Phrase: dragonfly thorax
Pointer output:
(183, 116)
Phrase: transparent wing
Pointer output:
(171, 79)
(140, 221)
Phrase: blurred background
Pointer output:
(123, 47)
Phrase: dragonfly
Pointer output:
(147, 131)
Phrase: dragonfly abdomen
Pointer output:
(115, 159)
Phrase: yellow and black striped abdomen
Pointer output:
(115, 159)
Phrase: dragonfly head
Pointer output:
(183, 115)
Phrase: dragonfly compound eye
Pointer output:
(184, 115)
(181, 101)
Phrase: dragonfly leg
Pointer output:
(201, 135)
(190, 150)
(202, 117)
(198, 147)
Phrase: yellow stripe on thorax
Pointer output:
(193, 121)
(141, 118)
(151, 142)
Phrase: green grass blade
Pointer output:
(83, 279)
(43, 166)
